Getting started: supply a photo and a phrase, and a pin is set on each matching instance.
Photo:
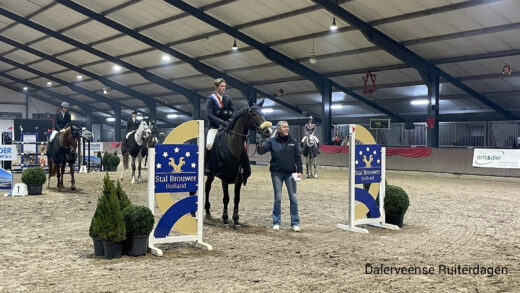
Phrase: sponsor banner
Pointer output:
(368, 163)
(496, 158)
(6, 180)
(8, 153)
(95, 147)
(176, 167)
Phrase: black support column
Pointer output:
(326, 95)
(117, 123)
(88, 118)
(433, 108)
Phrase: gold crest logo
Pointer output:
(177, 168)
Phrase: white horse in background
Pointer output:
(310, 152)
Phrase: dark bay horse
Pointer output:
(133, 146)
(228, 158)
(62, 150)
(310, 152)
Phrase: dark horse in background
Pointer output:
(62, 150)
(133, 145)
(228, 158)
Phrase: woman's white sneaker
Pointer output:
(296, 228)
(276, 228)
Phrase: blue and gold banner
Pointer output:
(368, 163)
(6, 180)
(176, 168)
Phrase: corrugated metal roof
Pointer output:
(433, 29)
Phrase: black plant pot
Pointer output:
(99, 250)
(112, 249)
(34, 189)
(396, 219)
(137, 245)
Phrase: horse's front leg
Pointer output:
(207, 204)
(315, 163)
(139, 178)
(225, 201)
(72, 180)
(60, 175)
(238, 185)
(50, 164)
(307, 166)
(133, 170)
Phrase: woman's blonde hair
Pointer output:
(279, 126)
(218, 81)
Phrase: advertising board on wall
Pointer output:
(496, 158)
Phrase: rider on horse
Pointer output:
(219, 108)
(310, 128)
(132, 123)
(61, 120)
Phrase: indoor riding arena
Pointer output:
(388, 130)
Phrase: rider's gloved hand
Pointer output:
(224, 124)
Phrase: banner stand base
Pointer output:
(365, 231)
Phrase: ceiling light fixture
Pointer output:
(79, 77)
(25, 88)
(267, 110)
(172, 116)
(336, 106)
(49, 83)
(116, 68)
(105, 91)
(235, 47)
(333, 25)
(139, 117)
(111, 119)
(166, 58)
(420, 102)
(313, 56)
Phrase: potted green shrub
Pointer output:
(34, 178)
(106, 161)
(396, 204)
(139, 222)
(94, 232)
(95, 225)
(124, 201)
(113, 162)
(109, 224)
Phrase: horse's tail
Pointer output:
(125, 160)
(53, 168)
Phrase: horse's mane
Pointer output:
(238, 114)
(67, 138)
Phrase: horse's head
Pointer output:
(69, 137)
(256, 121)
(311, 140)
(144, 130)
(75, 131)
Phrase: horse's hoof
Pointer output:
(73, 188)
(208, 216)
(225, 222)
(133, 181)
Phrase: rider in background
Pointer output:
(310, 128)
(219, 109)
